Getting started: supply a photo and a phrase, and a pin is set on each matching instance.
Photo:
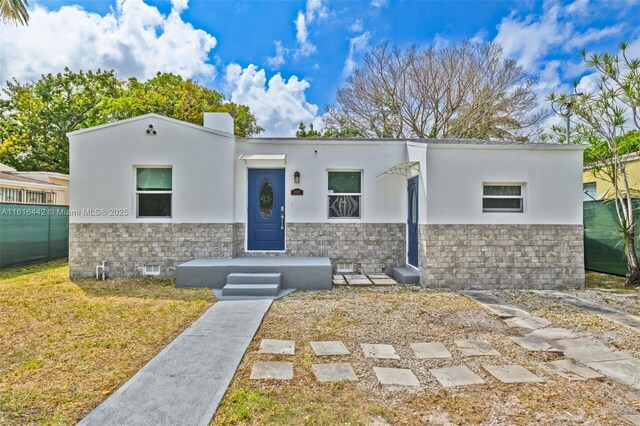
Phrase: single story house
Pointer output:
(150, 193)
(598, 186)
(33, 187)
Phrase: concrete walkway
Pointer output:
(185, 382)
(606, 312)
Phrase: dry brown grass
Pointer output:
(65, 346)
(399, 316)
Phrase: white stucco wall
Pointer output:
(383, 199)
(552, 176)
(103, 174)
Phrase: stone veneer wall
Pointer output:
(371, 247)
(501, 256)
(129, 246)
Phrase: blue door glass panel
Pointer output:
(265, 224)
(412, 221)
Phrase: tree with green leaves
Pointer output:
(14, 11)
(608, 122)
(35, 117)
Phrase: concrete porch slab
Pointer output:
(305, 273)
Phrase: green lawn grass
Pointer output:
(66, 345)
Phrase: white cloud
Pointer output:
(135, 40)
(277, 61)
(357, 45)
(357, 26)
(315, 10)
(379, 3)
(278, 104)
(529, 39)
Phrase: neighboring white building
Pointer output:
(33, 187)
(152, 192)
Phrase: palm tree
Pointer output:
(14, 11)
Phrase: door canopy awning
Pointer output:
(401, 169)
(264, 159)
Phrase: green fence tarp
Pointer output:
(603, 244)
(32, 233)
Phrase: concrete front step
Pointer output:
(251, 290)
(254, 278)
(405, 275)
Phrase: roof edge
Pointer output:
(146, 116)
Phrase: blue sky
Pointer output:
(285, 59)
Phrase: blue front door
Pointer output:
(412, 222)
(265, 219)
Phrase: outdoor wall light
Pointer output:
(296, 177)
(151, 130)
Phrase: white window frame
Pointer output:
(137, 192)
(359, 194)
(521, 197)
(151, 270)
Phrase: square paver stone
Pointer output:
(513, 374)
(379, 351)
(571, 369)
(339, 282)
(357, 280)
(430, 350)
(552, 333)
(476, 348)
(281, 347)
(396, 376)
(338, 277)
(334, 372)
(533, 344)
(586, 350)
(383, 281)
(272, 370)
(330, 348)
(529, 323)
(451, 377)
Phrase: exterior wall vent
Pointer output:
(151, 270)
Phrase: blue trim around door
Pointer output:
(412, 221)
(265, 216)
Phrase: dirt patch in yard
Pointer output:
(401, 315)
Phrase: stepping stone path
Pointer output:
(476, 348)
(334, 372)
(379, 351)
(552, 333)
(272, 370)
(357, 280)
(382, 280)
(534, 344)
(430, 350)
(451, 377)
(339, 280)
(570, 369)
(530, 323)
(513, 374)
(396, 376)
(280, 347)
(616, 365)
(329, 348)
